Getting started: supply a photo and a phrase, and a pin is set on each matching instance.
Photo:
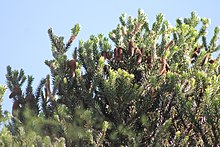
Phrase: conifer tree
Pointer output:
(141, 86)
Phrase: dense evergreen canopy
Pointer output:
(143, 85)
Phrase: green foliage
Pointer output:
(3, 117)
(159, 86)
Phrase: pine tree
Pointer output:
(142, 86)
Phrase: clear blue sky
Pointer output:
(24, 41)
